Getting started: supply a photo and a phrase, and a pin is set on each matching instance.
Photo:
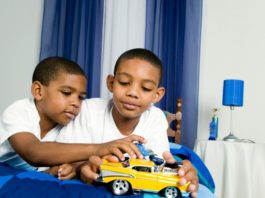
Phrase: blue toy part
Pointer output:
(142, 149)
(157, 160)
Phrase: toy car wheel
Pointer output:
(120, 187)
(172, 192)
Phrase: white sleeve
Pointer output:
(15, 119)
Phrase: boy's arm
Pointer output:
(39, 153)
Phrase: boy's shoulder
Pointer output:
(21, 104)
(153, 113)
(157, 110)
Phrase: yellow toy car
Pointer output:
(135, 175)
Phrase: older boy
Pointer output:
(135, 86)
(28, 127)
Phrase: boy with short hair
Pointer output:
(135, 86)
(29, 127)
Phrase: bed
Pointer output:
(17, 183)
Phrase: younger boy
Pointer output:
(135, 86)
(29, 127)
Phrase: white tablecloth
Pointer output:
(238, 169)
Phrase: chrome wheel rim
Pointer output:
(171, 192)
(120, 187)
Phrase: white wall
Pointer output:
(233, 46)
(19, 47)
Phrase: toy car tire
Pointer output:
(172, 192)
(120, 187)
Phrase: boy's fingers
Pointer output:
(132, 150)
(88, 172)
(194, 194)
(188, 173)
(185, 168)
(69, 176)
(120, 147)
(168, 157)
(111, 158)
(95, 162)
(137, 138)
(118, 152)
(192, 177)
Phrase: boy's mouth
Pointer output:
(129, 106)
(70, 115)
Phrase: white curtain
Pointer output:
(123, 29)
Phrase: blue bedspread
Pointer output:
(18, 184)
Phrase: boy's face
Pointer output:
(134, 88)
(60, 101)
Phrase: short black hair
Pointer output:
(143, 54)
(48, 69)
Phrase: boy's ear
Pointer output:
(36, 90)
(160, 92)
(110, 81)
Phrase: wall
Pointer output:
(233, 46)
(19, 47)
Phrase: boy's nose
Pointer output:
(133, 91)
(76, 102)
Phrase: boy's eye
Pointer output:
(124, 83)
(146, 89)
(67, 93)
(82, 97)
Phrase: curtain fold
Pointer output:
(124, 27)
(173, 33)
(191, 69)
(95, 32)
(73, 29)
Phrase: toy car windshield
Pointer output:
(174, 165)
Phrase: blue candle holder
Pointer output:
(233, 92)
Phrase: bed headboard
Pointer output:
(174, 132)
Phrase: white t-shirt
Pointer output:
(95, 124)
(21, 116)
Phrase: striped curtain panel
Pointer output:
(95, 32)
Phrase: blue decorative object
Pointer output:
(233, 92)
(214, 126)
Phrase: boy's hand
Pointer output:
(187, 173)
(121, 146)
(66, 171)
(88, 170)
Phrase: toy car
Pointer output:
(135, 175)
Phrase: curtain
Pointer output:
(95, 32)
(124, 28)
(173, 33)
(73, 29)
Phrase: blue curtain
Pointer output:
(173, 32)
(73, 29)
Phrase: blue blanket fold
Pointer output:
(17, 183)
(26, 184)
